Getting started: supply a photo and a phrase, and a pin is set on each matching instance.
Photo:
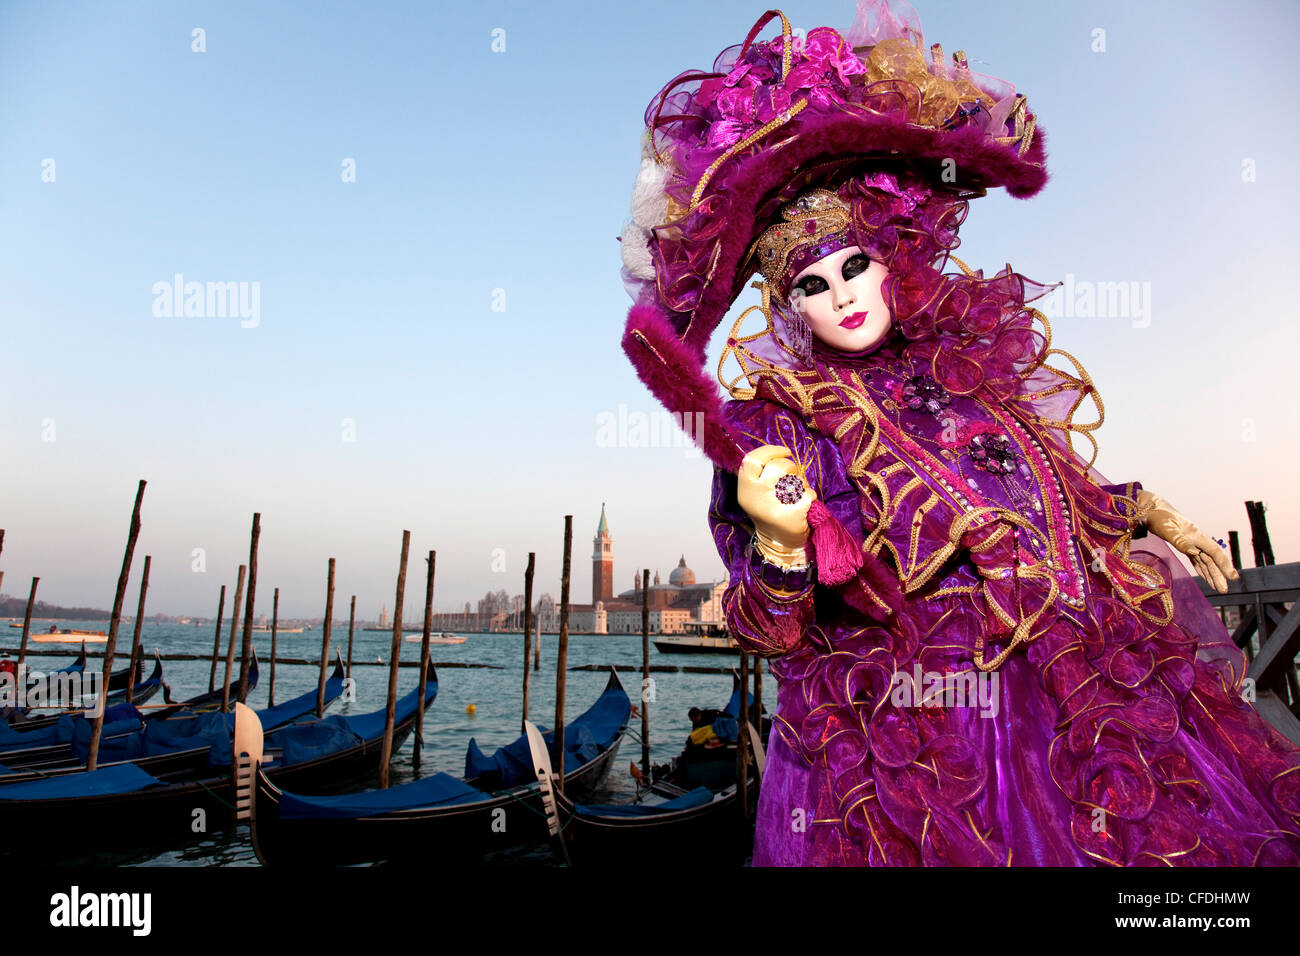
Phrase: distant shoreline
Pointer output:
(334, 631)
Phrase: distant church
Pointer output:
(672, 605)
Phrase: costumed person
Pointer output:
(987, 654)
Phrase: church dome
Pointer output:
(682, 576)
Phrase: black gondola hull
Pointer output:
(464, 834)
(714, 835)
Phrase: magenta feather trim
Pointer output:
(673, 371)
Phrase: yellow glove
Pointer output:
(1162, 519)
(780, 519)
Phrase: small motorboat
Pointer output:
(55, 635)
(446, 637)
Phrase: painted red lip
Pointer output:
(854, 320)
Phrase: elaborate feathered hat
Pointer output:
(725, 150)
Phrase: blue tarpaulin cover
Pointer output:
(178, 732)
(727, 729)
(275, 717)
(698, 797)
(308, 741)
(122, 717)
(119, 722)
(182, 732)
(371, 726)
(119, 718)
(121, 778)
(584, 738)
(733, 706)
(303, 742)
(59, 732)
(439, 790)
(515, 761)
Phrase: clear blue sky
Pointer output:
(479, 171)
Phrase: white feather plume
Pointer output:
(649, 209)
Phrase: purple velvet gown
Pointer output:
(1115, 734)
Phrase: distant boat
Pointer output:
(701, 638)
(68, 636)
(266, 629)
(446, 637)
(690, 644)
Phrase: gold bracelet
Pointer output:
(791, 559)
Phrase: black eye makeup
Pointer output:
(855, 266)
(811, 285)
(851, 268)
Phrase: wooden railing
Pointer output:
(1269, 632)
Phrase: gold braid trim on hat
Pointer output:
(813, 218)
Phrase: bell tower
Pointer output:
(602, 562)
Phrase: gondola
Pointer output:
(12, 714)
(155, 746)
(211, 699)
(22, 721)
(118, 680)
(441, 816)
(691, 814)
(708, 767)
(123, 806)
(145, 689)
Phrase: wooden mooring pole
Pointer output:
(234, 629)
(325, 640)
(528, 629)
(247, 649)
(20, 681)
(135, 637)
(216, 641)
(742, 739)
(275, 626)
(97, 723)
(562, 656)
(1259, 538)
(390, 715)
(645, 672)
(431, 560)
(352, 624)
